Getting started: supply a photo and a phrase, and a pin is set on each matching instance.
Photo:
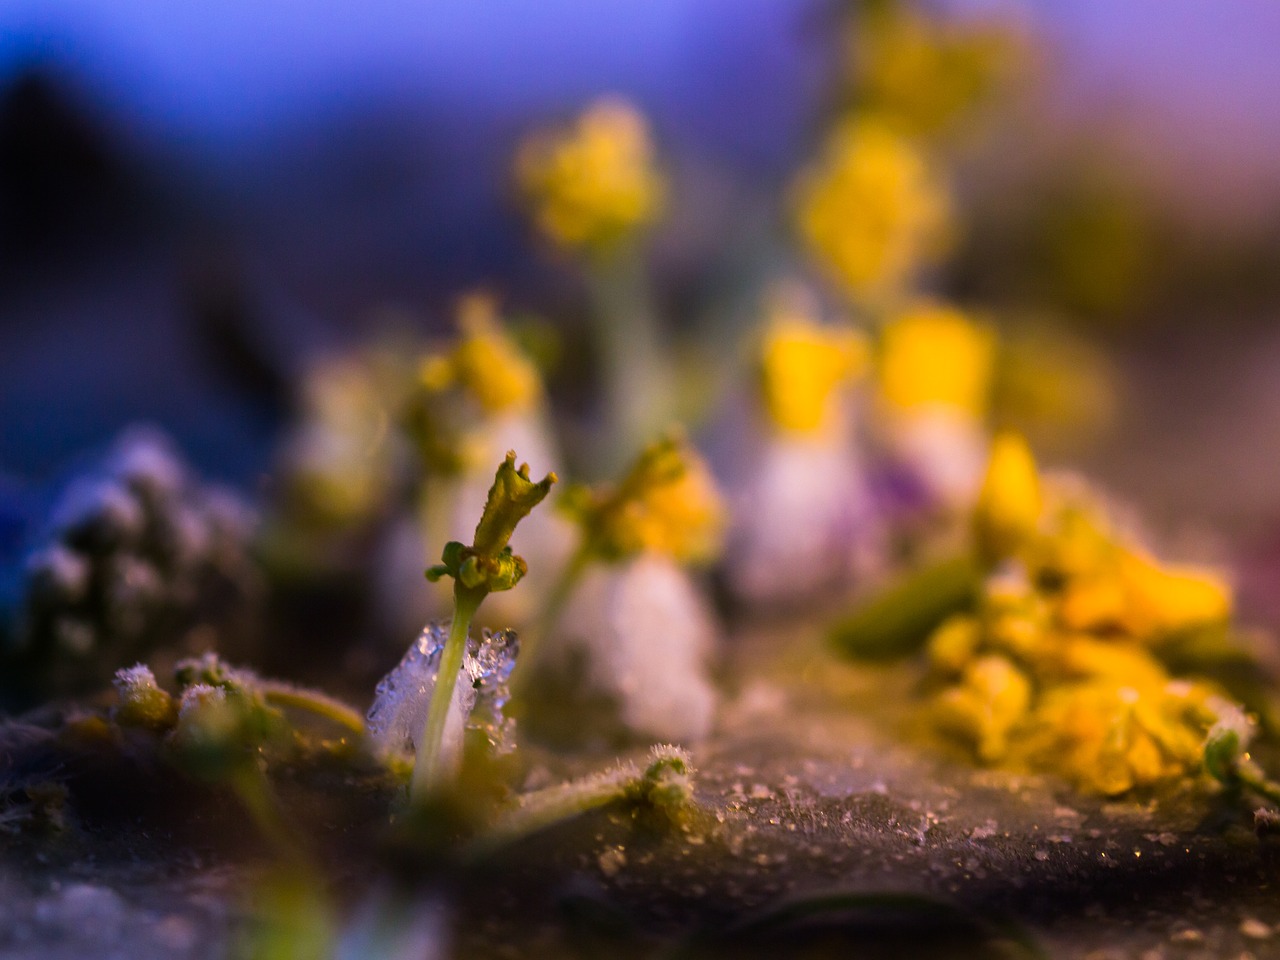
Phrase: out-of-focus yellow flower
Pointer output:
(667, 503)
(802, 366)
(340, 462)
(934, 356)
(593, 186)
(1009, 502)
(927, 73)
(1079, 611)
(484, 363)
(990, 700)
(871, 210)
(1111, 737)
(1139, 597)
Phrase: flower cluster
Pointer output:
(872, 210)
(926, 72)
(484, 364)
(593, 186)
(1058, 666)
(666, 503)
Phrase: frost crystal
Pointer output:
(403, 696)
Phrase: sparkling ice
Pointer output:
(403, 696)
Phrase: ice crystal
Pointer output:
(403, 696)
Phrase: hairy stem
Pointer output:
(287, 695)
(544, 808)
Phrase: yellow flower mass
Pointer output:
(593, 186)
(1057, 669)
(485, 364)
(871, 210)
(934, 356)
(802, 366)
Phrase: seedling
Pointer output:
(486, 566)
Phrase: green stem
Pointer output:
(287, 695)
(1251, 775)
(545, 808)
(562, 590)
(254, 792)
(429, 771)
(637, 400)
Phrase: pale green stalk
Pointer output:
(429, 770)
(287, 695)
(545, 808)
(637, 395)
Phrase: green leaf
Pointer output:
(898, 620)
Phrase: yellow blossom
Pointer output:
(990, 700)
(802, 366)
(1079, 610)
(871, 210)
(927, 72)
(934, 356)
(1143, 599)
(485, 364)
(1110, 737)
(594, 185)
(1009, 501)
(667, 503)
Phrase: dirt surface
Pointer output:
(827, 822)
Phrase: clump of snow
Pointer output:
(801, 522)
(648, 634)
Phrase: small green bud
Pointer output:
(489, 565)
(142, 702)
(1226, 742)
(511, 498)
(667, 782)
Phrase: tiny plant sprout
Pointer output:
(667, 782)
(488, 565)
(666, 502)
(663, 786)
(1226, 756)
(142, 702)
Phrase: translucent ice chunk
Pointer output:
(403, 696)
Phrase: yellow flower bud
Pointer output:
(668, 502)
(871, 210)
(1009, 502)
(485, 363)
(934, 356)
(592, 187)
(802, 365)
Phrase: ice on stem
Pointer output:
(403, 697)
(485, 567)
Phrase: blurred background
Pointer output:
(196, 198)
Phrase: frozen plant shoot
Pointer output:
(488, 565)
